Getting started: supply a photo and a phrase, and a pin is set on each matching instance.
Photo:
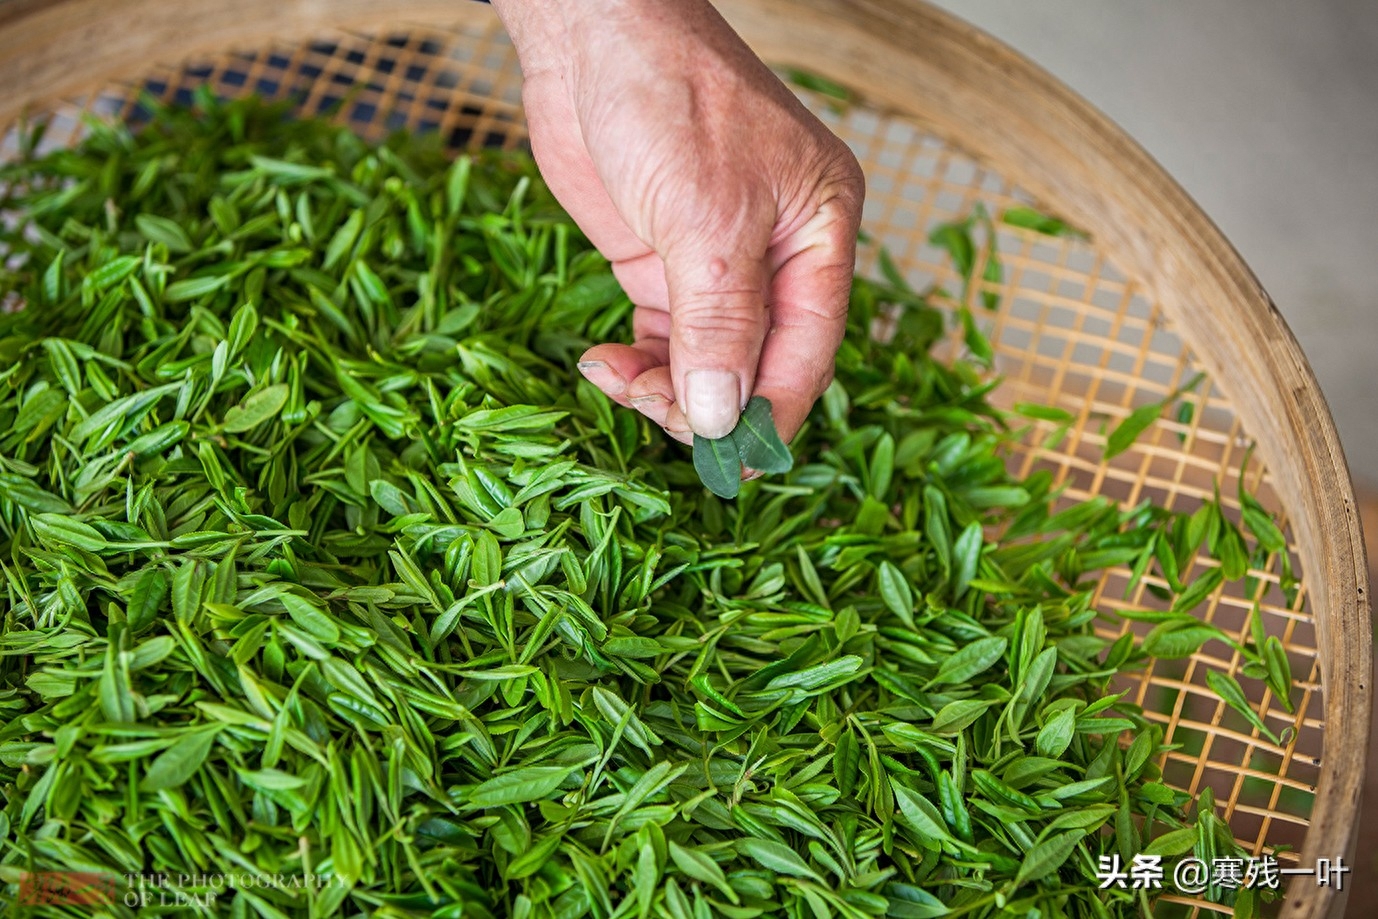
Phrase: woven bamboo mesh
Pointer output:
(1072, 330)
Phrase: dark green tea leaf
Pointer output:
(719, 465)
(758, 444)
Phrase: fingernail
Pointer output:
(752, 474)
(712, 401)
(601, 375)
(654, 398)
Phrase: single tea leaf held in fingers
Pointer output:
(758, 442)
(718, 465)
(754, 443)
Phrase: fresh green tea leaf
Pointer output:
(719, 465)
(758, 443)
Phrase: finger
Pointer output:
(653, 405)
(643, 279)
(652, 394)
(677, 426)
(717, 323)
(655, 381)
(613, 367)
(809, 297)
(557, 143)
(652, 323)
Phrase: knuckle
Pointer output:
(833, 309)
(723, 220)
(851, 181)
(703, 322)
(842, 175)
(824, 379)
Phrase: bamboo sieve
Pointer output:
(941, 117)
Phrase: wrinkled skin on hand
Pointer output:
(728, 211)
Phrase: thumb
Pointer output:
(717, 324)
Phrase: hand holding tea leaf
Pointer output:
(729, 212)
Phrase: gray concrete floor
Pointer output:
(1267, 112)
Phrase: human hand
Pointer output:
(728, 211)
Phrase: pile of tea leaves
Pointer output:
(321, 563)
